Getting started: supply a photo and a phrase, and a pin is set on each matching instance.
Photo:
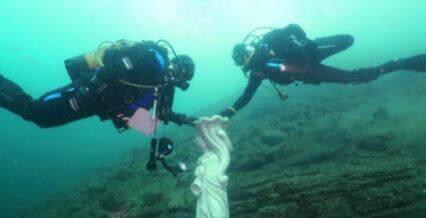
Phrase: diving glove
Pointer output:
(181, 119)
(228, 112)
(189, 120)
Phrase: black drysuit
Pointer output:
(289, 47)
(109, 98)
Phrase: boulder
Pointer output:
(271, 137)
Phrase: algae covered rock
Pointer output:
(375, 143)
(381, 114)
(271, 137)
(124, 174)
(112, 201)
(152, 198)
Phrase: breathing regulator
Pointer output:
(183, 68)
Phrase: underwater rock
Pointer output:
(375, 143)
(152, 198)
(152, 212)
(134, 212)
(112, 201)
(75, 207)
(137, 153)
(288, 127)
(271, 137)
(394, 152)
(123, 174)
(381, 114)
(315, 157)
(95, 214)
(279, 210)
(252, 162)
(384, 192)
(94, 190)
(159, 211)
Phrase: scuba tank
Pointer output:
(85, 65)
(79, 65)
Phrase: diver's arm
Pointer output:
(181, 119)
(166, 112)
(253, 84)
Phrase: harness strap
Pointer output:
(135, 85)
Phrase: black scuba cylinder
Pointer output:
(76, 66)
(81, 65)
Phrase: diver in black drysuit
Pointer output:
(286, 55)
(134, 75)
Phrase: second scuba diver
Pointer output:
(287, 55)
(112, 83)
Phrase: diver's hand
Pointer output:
(190, 121)
(228, 112)
(181, 119)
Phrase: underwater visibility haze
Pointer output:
(330, 150)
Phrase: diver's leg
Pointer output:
(13, 98)
(327, 74)
(331, 45)
(322, 73)
(413, 63)
(63, 106)
(55, 108)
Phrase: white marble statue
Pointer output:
(211, 182)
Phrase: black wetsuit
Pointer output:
(108, 98)
(287, 55)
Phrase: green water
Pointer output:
(36, 36)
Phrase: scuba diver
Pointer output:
(286, 55)
(112, 82)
